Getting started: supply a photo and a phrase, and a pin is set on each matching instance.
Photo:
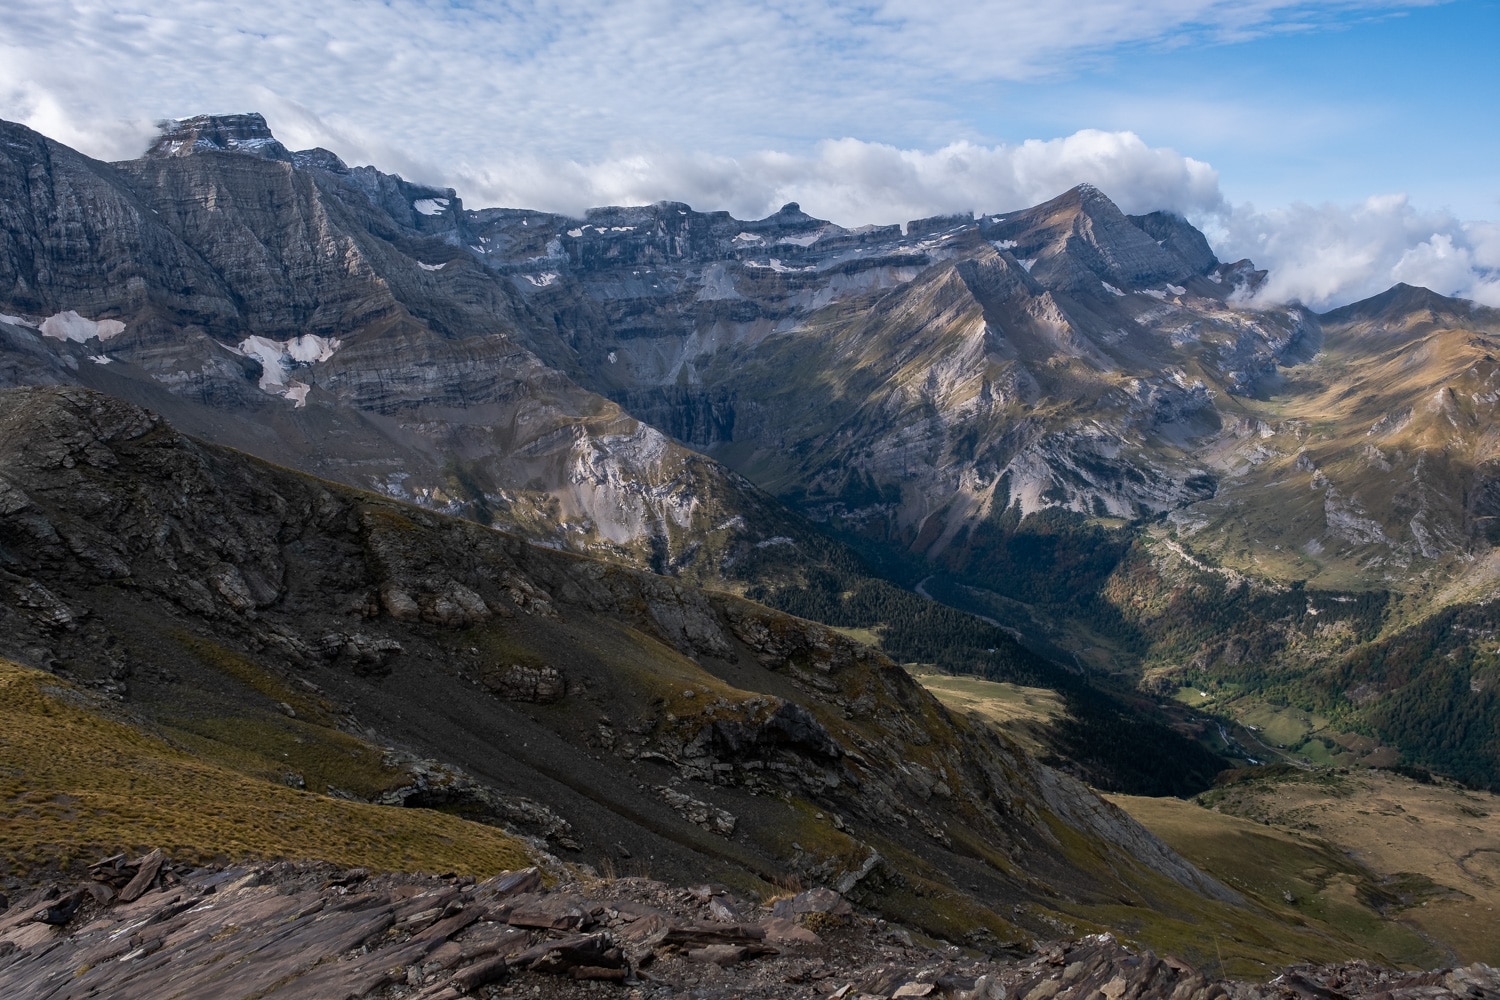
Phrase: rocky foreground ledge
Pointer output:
(146, 929)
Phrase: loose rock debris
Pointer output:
(145, 929)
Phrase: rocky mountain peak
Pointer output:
(239, 133)
(1089, 196)
(1176, 235)
(1083, 242)
(1399, 304)
(938, 223)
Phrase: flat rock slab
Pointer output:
(290, 932)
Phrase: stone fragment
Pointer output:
(819, 900)
(565, 954)
(61, 910)
(146, 870)
(780, 930)
(511, 883)
(556, 912)
(483, 973)
(723, 955)
(913, 990)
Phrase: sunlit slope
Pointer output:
(78, 785)
(1374, 463)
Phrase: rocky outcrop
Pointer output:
(311, 931)
(246, 133)
(1179, 237)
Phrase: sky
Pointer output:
(1344, 144)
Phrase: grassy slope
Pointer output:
(1434, 848)
(1329, 842)
(130, 790)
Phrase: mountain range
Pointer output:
(1063, 418)
(615, 531)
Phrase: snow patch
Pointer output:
(1028, 264)
(1111, 289)
(432, 267)
(802, 241)
(1177, 289)
(71, 326)
(542, 280)
(430, 206)
(310, 347)
(575, 233)
(748, 238)
(776, 265)
(1155, 293)
(17, 321)
(1005, 244)
(278, 357)
(100, 359)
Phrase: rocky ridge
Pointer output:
(223, 276)
(298, 930)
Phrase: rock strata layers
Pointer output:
(278, 932)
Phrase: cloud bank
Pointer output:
(853, 182)
(1329, 255)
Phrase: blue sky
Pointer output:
(1345, 143)
(1368, 103)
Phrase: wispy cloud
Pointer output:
(448, 80)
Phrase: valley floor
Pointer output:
(1409, 869)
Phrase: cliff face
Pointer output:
(333, 319)
(643, 718)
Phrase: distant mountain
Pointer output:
(903, 385)
(1075, 423)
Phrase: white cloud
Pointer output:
(1329, 255)
(854, 182)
